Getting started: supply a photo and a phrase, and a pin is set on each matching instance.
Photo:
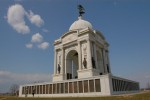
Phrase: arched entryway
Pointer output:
(72, 64)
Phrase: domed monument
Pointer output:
(82, 52)
(80, 24)
(81, 66)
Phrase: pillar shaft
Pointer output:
(79, 56)
(62, 61)
(89, 56)
(104, 61)
(95, 56)
(55, 62)
(107, 55)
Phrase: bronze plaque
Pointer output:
(85, 86)
(54, 88)
(50, 88)
(66, 87)
(97, 85)
(80, 87)
(40, 89)
(62, 88)
(91, 85)
(75, 87)
(43, 89)
(58, 88)
(33, 89)
(46, 88)
(70, 87)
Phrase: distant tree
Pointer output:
(14, 89)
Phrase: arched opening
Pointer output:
(72, 64)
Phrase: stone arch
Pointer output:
(72, 64)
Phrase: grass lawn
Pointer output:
(142, 96)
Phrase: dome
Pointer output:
(80, 24)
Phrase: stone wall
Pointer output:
(102, 85)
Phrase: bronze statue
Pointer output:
(84, 63)
(81, 10)
(59, 68)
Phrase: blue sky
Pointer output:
(28, 29)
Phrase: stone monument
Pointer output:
(81, 66)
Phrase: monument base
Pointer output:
(103, 85)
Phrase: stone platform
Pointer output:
(103, 85)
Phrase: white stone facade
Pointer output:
(81, 67)
(102, 85)
(87, 44)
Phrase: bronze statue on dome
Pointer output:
(81, 10)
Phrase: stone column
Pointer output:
(62, 61)
(102, 67)
(104, 61)
(95, 57)
(107, 55)
(65, 63)
(55, 62)
(89, 56)
(79, 56)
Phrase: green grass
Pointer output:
(142, 96)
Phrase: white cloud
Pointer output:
(15, 17)
(37, 38)
(35, 19)
(45, 30)
(8, 78)
(29, 45)
(44, 45)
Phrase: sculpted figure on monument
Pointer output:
(81, 10)
(84, 63)
(59, 68)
